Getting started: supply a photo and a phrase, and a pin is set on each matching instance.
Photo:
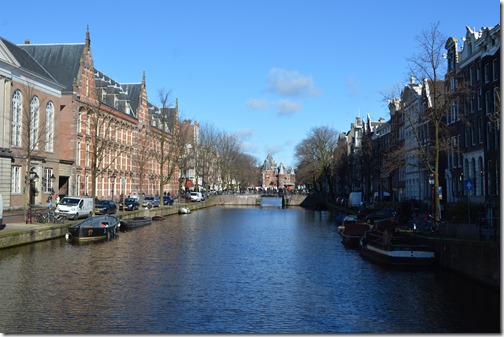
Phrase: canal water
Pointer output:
(231, 270)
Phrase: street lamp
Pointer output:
(112, 177)
(432, 182)
(33, 176)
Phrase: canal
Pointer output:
(231, 270)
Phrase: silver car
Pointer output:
(151, 201)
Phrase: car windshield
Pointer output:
(70, 201)
(149, 198)
(129, 200)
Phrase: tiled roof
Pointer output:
(60, 60)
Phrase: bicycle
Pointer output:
(432, 226)
(40, 217)
(53, 217)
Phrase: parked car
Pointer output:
(105, 207)
(151, 201)
(196, 196)
(380, 214)
(167, 200)
(130, 204)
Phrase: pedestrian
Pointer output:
(49, 202)
(56, 201)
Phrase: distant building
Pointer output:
(276, 177)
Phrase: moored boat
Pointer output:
(394, 249)
(135, 222)
(96, 228)
(157, 217)
(354, 229)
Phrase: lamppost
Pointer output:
(113, 176)
(33, 176)
(431, 182)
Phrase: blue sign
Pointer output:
(468, 184)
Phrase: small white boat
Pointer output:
(184, 210)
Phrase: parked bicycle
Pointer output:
(49, 217)
(430, 225)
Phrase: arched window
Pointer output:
(49, 131)
(481, 177)
(480, 130)
(34, 123)
(79, 121)
(17, 118)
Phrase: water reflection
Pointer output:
(261, 270)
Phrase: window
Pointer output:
(78, 185)
(17, 118)
(488, 102)
(495, 103)
(453, 114)
(47, 183)
(487, 73)
(78, 154)
(16, 180)
(473, 133)
(471, 74)
(79, 121)
(34, 123)
(88, 124)
(478, 71)
(49, 131)
(489, 136)
(495, 70)
(480, 130)
(87, 155)
(480, 93)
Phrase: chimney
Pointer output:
(27, 41)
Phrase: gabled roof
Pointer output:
(60, 60)
(26, 61)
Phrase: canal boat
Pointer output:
(135, 222)
(395, 249)
(96, 228)
(353, 230)
(158, 217)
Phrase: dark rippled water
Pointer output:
(230, 270)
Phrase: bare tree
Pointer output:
(428, 64)
(104, 148)
(317, 151)
(169, 140)
(227, 149)
(207, 150)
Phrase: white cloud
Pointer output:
(287, 107)
(291, 83)
(353, 87)
(244, 134)
(257, 104)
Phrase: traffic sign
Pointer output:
(468, 184)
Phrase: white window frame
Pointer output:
(17, 118)
(16, 180)
(34, 122)
(49, 131)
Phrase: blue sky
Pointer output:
(267, 70)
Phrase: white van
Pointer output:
(75, 207)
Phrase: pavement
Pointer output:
(14, 221)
